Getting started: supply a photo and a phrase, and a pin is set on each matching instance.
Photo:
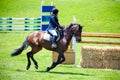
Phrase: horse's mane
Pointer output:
(68, 27)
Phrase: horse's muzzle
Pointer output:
(78, 40)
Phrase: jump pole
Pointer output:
(74, 49)
(45, 9)
(74, 40)
(41, 12)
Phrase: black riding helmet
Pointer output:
(55, 11)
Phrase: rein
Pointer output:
(68, 31)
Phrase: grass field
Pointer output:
(12, 68)
(102, 16)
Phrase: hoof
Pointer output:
(27, 67)
(48, 69)
(36, 67)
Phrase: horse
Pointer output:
(36, 42)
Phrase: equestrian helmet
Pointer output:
(55, 11)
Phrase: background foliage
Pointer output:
(101, 16)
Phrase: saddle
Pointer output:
(48, 36)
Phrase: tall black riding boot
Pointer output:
(54, 42)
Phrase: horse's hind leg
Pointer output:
(30, 55)
(35, 49)
(35, 62)
(28, 58)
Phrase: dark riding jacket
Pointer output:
(53, 23)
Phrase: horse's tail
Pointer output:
(19, 50)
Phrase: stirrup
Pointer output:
(54, 45)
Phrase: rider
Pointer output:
(54, 26)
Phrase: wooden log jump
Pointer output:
(97, 42)
(100, 35)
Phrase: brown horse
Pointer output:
(36, 42)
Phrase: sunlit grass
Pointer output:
(12, 68)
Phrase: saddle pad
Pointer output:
(47, 37)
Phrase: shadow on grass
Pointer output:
(19, 70)
(56, 72)
(66, 73)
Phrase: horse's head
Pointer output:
(76, 30)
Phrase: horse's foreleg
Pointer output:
(35, 62)
(59, 61)
(28, 58)
(51, 67)
(62, 59)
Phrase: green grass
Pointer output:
(12, 68)
(102, 16)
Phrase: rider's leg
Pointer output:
(54, 41)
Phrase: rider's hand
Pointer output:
(61, 27)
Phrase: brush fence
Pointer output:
(100, 57)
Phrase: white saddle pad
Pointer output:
(48, 37)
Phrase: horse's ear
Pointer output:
(71, 24)
(80, 27)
